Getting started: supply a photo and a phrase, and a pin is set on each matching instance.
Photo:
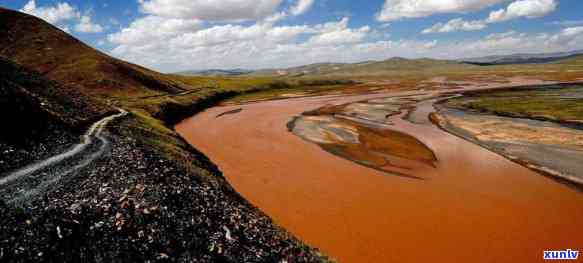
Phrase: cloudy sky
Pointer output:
(176, 35)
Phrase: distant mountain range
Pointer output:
(216, 72)
(365, 67)
(522, 58)
(395, 64)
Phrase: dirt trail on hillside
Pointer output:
(474, 206)
(30, 181)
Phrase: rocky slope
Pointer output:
(42, 115)
(137, 205)
(139, 195)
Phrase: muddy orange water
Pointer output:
(476, 206)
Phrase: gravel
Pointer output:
(135, 204)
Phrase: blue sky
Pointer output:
(174, 35)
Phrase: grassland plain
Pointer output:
(399, 74)
(562, 104)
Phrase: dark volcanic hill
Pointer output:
(31, 103)
(38, 115)
(40, 46)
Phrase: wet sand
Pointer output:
(548, 147)
(475, 206)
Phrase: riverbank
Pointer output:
(137, 203)
(354, 213)
(146, 199)
(538, 127)
(138, 193)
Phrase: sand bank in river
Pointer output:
(547, 147)
(473, 206)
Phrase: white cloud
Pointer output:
(523, 8)
(286, 33)
(332, 26)
(340, 37)
(337, 34)
(301, 7)
(385, 25)
(514, 42)
(497, 42)
(140, 31)
(275, 17)
(230, 45)
(268, 46)
(567, 36)
(400, 9)
(456, 24)
(567, 23)
(85, 25)
(188, 42)
(211, 10)
(61, 15)
(187, 33)
(52, 14)
(430, 45)
(219, 35)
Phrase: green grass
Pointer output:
(227, 83)
(202, 87)
(404, 75)
(562, 104)
(283, 92)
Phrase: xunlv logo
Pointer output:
(561, 255)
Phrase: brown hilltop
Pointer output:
(37, 45)
(32, 104)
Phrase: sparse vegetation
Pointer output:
(554, 103)
(417, 70)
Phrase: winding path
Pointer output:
(23, 184)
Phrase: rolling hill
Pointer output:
(398, 65)
(60, 57)
(215, 72)
(40, 116)
(365, 68)
(27, 95)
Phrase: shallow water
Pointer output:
(475, 206)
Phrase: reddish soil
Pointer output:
(475, 206)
